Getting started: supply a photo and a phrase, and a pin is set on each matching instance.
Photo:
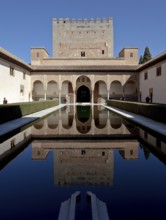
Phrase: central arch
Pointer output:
(83, 94)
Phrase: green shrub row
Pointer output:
(12, 111)
(154, 111)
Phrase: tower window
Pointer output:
(82, 53)
(103, 51)
(131, 55)
(83, 152)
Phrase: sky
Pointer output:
(28, 23)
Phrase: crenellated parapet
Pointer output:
(82, 21)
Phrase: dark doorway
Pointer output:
(83, 94)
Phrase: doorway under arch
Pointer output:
(83, 94)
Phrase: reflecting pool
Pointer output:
(83, 148)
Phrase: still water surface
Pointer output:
(83, 149)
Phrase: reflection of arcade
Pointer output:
(84, 162)
(81, 120)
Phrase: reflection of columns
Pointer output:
(108, 124)
(92, 97)
(93, 126)
(92, 111)
(74, 126)
(74, 97)
(60, 122)
(74, 93)
(92, 87)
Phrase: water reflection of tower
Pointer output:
(83, 162)
(83, 166)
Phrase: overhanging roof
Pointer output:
(160, 58)
(112, 68)
(4, 54)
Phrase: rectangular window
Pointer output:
(158, 71)
(24, 75)
(102, 51)
(21, 90)
(82, 53)
(145, 75)
(131, 55)
(11, 71)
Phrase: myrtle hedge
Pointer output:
(16, 110)
(156, 112)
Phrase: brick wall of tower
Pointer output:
(83, 38)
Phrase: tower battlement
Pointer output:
(82, 21)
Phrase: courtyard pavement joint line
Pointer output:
(19, 122)
(146, 122)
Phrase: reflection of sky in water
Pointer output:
(28, 189)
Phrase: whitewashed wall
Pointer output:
(10, 85)
(157, 83)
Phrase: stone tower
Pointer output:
(83, 38)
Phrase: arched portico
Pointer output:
(83, 89)
(52, 90)
(100, 91)
(116, 90)
(67, 93)
(130, 91)
(38, 91)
